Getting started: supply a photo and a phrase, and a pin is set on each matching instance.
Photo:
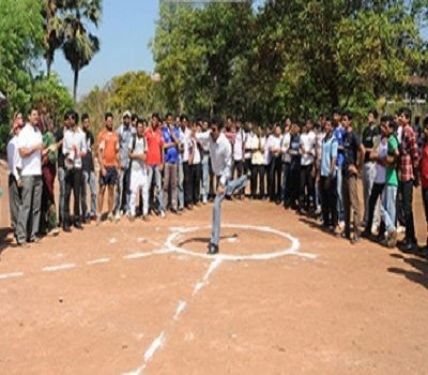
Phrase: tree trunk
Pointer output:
(48, 66)
(76, 80)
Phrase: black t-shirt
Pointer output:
(351, 145)
(369, 134)
(59, 136)
(87, 160)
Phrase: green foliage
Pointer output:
(50, 94)
(292, 57)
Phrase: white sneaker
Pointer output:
(117, 217)
(162, 214)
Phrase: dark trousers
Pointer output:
(351, 203)
(275, 179)
(294, 187)
(258, 181)
(238, 167)
(195, 183)
(187, 187)
(328, 190)
(375, 194)
(285, 187)
(15, 200)
(407, 195)
(306, 199)
(248, 168)
(73, 181)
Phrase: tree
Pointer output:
(53, 26)
(80, 46)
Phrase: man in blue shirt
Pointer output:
(339, 134)
(171, 138)
(328, 179)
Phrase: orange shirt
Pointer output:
(108, 142)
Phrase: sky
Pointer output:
(126, 29)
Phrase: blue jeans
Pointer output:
(89, 179)
(123, 192)
(231, 186)
(154, 170)
(205, 177)
(388, 208)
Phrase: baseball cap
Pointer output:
(127, 114)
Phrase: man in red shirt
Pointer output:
(424, 175)
(155, 160)
(409, 175)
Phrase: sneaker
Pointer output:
(54, 232)
(391, 239)
(117, 217)
(110, 217)
(162, 214)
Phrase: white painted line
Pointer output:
(11, 275)
(157, 343)
(202, 283)
(112, 241)
(292, 250)
(180, 308)
(138, 255)
(98, 261)
(59, 267)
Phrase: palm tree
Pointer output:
(80, 46)
(53, 30)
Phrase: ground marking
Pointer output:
(59, 267)
(11, 275)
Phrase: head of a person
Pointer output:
(287, 123)
(277, 130)
(141, 127)
(205, 125)
(216, 128)
(184, 121)
(337, 116)
(155, 120)
(33, 117)
(169, 119)
(384, 125)
(309, 125)
(126, 118)
(71, 118)
(372, 116)
(347, 120)
(391, 126)
(249, 127)
(229, 121)
(18, 120)
(328, 126)
(134, 119)
(86, 122)
(425, 129)
(238, 125)
(108, 120)
(404, 116)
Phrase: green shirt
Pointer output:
(391, 171)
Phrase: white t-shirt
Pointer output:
(31, 136)
(308, 142)
(75, 138)
(196, 152)
(285, 145)
(187, 142)
(274, 143)
(380, 169)
(238, 145)
(248, 140)
(137, 165)
(13, 158)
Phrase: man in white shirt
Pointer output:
(14, 164)
(74, 148)
(248, 152)
(221, 159)
(139, 181)
(187, 144)
(30, 146)
(274, 145)
(238, 153)
(308, 151)
(286, 162)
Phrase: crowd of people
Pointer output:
(163, 166)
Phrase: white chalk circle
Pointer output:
(292, 250)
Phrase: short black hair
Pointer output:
(183, 117)
(168, 114)
(348, 114)
(140, 121)
(85, 116)
(375, 113)
(156, 115)
(31, 109)
(337, 111)
(107, 115)
(390, 121)
(406, 112)
(217, 122)
(134, 117)
(73, 114)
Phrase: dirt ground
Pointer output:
(116, 299)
